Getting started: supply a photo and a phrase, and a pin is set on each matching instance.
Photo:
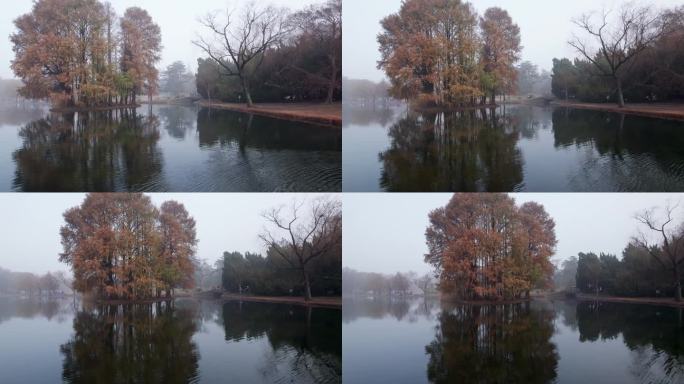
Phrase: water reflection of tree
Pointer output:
(135, 343)
(309, 338)
(177, 120)
(100, 151)
(398, 308)
(619, 135)
(368, 116)
(31, 308)
(493, 344)
(234, 129)
(472, 150)
(654, 334)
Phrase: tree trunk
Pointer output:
(621, 99)
(678, 284)
(248, 95)
(333, 81)
(307, 287)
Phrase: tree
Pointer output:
(425, 283)
(563, 78)
(120, 246)
(321, 26)
(177, 246)
(400, 284)
(589, 273)
(68, 50)
(307, 236)
(49, 283)
(141, 50)
(564, 279)
(239, 46)
(484, 247)
(176, 79)
(500, 50)
(634, 30)
(669, 251)
(429, 50)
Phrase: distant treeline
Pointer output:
(646, 65)
(9, 89)
(30, 284)
(366, 91)
(269, 54)
(377, 284)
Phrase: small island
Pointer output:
(150, 294)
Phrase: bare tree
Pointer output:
(238, 44)
(670, 253)
(634, 30)
(299, 236)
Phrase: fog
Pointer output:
(545, 28)
(177, 20)
(385, 233)
(225, 222)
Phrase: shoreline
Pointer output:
(671, 111)
(316, 302)
(323, 114)
(633, 300)
(94, 109)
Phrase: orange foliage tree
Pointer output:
(69, 50)
(483, 246)
(433, 52)
(120, 246)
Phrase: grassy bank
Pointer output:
(325, 114)
(674, 111)
(322, 302)
(633, 300)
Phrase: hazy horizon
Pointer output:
(544, 29)
(178, 25)
(384, 233)
(225, 222)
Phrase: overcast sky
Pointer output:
(545, 28)
(386, 232)
(177, 20)
(225, 222)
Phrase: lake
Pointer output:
(421, 341)
(182, 341)
(512, 148)
(166, 149)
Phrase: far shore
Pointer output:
(674, 111)
(318, 113)
(93, 109)
(633, 300)
(320, 302)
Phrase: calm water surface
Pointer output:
(184, 341)
(421, 341)
(167, 148)
(516, 148)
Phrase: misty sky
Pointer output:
(545, 28)
(386, 232)
(225, 222)
(177, 20)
